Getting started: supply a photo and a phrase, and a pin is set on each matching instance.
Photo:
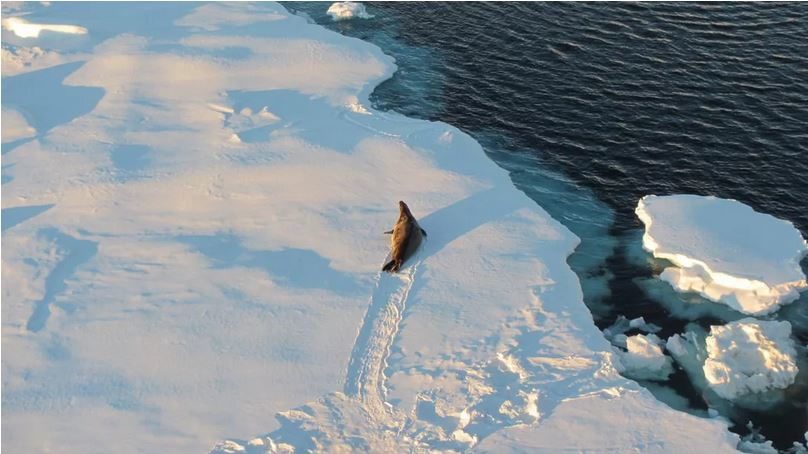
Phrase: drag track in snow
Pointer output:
(365, 378)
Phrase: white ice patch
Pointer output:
(644, 359)
(725, 251)
(357, 107)
(14, 126)
(750, 356)
(17, 59)
(25, 29)
(348, 10)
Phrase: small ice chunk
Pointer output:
(640, 324)
(755, 442)
(621, 325)
(347, 10)
(750, 356)
(25, 29)
(532, 405)
(220, 108)
(644, 359)
(357, 107)
(464, 418)
(463, 437)
(267, 115)
(637, 322)
(228, 447)
(676, 345)
(620, 340)
(754, 447)
(725, 251)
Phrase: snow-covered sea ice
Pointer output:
(198, 284)
(725, 251)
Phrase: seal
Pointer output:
(407, 236)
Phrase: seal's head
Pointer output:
(403, 210)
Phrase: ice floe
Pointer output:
(25, 29)
(644, 359)
(725, 251)
(348, 10)
(749, 362)
(750, 356)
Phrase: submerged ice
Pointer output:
(725, 251)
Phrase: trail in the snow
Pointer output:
(366, 379)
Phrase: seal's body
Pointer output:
(407, 236)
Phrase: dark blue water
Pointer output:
(592, 106)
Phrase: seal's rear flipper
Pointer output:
(392, 266)
(423, 232)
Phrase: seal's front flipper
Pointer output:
(389, 232)
(423, 232)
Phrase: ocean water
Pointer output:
(591, 106)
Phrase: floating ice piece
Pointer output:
(228, 447)
(348, 10)
(750, 356)
(725, 251)
(615, 333)
(640, 324)
(644, 359)
(755, 447)
(25, 29)
(756, 443)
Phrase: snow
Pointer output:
(21, 59)
(348, 10)
(604, 422)
(750, 356)
(725, 251)
(644, 358)
(15, 127)
(180, 288)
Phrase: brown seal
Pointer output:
(407, 236)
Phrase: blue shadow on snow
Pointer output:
(300, 268)
(76, 253)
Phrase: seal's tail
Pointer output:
(392, 266)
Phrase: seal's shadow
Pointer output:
(452, 222)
